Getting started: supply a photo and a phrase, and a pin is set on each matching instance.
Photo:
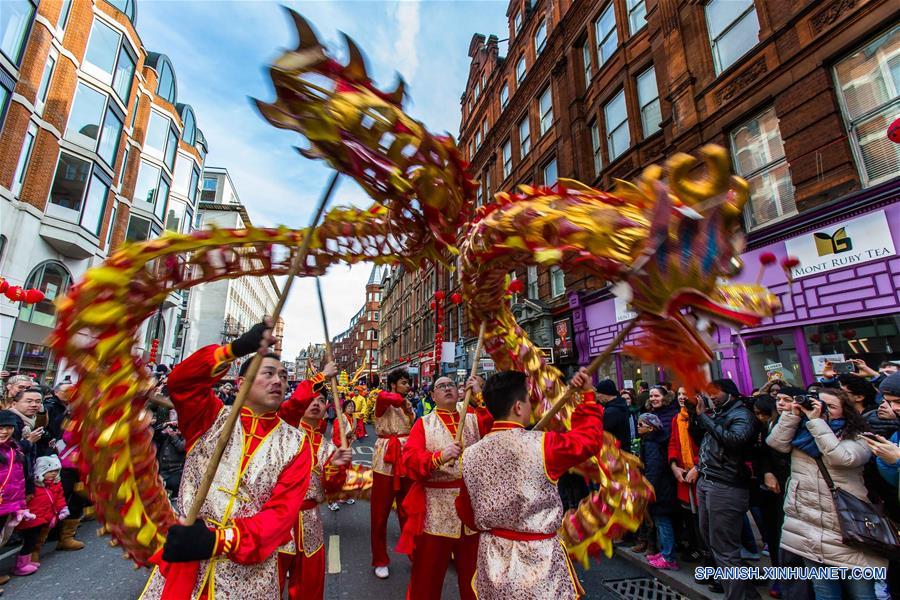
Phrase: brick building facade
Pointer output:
(95, 149)
(800, 92)
(358, 345)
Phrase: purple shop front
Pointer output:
(844, 301)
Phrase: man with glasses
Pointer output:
(433, 532)
(258, 488)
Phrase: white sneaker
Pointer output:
(382, 572)
(351, 501)
(334, 506)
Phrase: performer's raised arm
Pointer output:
(292, 409)
(564, 450)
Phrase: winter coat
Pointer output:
(28, 449)
(12, 493)
(171, 454)
(615, 421)
(56, 416)
(811, 527)
(68, 450)
(684, 489)
(48, 505)
(654, 453)
(725, 438)
(666, 414)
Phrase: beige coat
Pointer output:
(811, 527)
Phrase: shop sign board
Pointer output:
(548, 355)
(773, 366)
(623, 310)
(841, 245)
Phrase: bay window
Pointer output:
(95, 123)
(138, 229)
(109, 58)
(79, 192)
(15, 23)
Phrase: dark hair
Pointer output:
(858, 386)
(21, 393)
(502, 390)
(396, 375)
(792, 391)
(246, 364)
(348, 403)
(764, 404)
(887, 363)
(644, 385)
(854, 424)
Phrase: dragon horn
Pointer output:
(396, 97)
(356, 66)
(307, 37)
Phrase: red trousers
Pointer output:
(429, 565)
(380, 503)
(305, 575)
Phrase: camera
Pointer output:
(806, 400)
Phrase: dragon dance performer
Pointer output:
(509, 492)
(393, 419)
(259, 486)
(305, 570)
(433, 531)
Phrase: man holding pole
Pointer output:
(393, 420)
(509, 491)
(256, 491)
(433, 531)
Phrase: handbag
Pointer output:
(863, 524)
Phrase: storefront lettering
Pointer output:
(837, 262)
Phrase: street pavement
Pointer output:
(100, 573)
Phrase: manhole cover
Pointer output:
(643, 588)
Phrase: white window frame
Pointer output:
(504, 96)
(601, 37)
(586, 61)
(532, 289)
(506, 157)
(517, 23)
(540, 42)
(524, 141)
(69, 214)
(101, 75)
(25, 158)
(761, 170)
(546, 168)
(596, 146)
(713, 42)
(644, 103)
(40, 100)
(546, 116)
(611, 130)
(557, 287)
(634, 8)
(891, 107)
(520, 77)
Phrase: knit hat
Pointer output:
(651, 420)
(7, 418)
(891, 385)
(728, 386)
(607, 387)
(45, 464)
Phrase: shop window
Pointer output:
(15, 23)
(32, 358)
(773, 355)
(618, 138)
(635, 372)
(873, 340)
(733, 30)
(648, 99)
(524, 136)
(637, 15)
(868, 83)
(53, 279)
(606, 36)
(758, 153)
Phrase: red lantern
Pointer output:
(778, 341)
(439, 296)
(831, 337)
(766, 259)
(815, 338)
(154, 348)
(33, 296)
(440, 328)
(4, 285)
(893, 131)
(15, 293)
(790, 262)
(456, 298)
(849, 333)
(516, 286)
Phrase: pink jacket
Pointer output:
(12, 478)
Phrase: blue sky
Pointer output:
(220, 50)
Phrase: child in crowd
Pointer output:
(48, 506)
(654, 453)
(13, 507)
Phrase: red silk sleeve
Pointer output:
(291, 410)
(464, 508)
(565, 449)
(418, 462)
(386, 399)
(190, 388)
(485, 420)
(260, 535)
(333, 478)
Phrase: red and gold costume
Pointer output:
(254, 497)
(350, 429)
(392, 425)
(433, 531)
(305, 569)
(509, 494)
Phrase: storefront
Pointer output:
(844, 301)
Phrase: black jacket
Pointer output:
(725, 438)
(615, 421)
(654, 453)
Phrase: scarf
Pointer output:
(29, 421)
(805, 442)
(684, 440)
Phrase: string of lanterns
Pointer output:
(16, 293)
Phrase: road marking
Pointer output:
(334, 554)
